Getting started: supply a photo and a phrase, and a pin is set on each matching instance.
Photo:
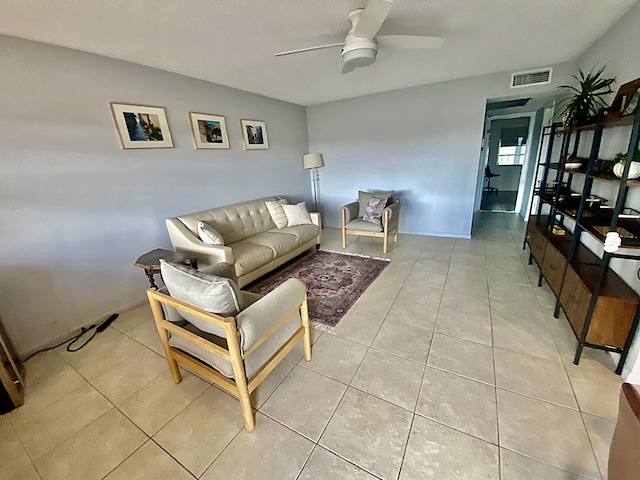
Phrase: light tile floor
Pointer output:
(450, 366)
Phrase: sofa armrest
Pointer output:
(184, 241)
(317, 220)
(350, 211)
(257, 320)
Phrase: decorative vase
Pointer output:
(634, 170)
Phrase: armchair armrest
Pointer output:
(350, 211)
(257, 320)
(394, 209)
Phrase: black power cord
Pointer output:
(71, 341)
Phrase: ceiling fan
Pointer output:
(360, 47)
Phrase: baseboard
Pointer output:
(72, 333)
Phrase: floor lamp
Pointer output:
(314, 161)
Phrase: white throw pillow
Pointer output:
(297, 214)
(208, 234)
(276, 211)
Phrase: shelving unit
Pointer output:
(602, 309)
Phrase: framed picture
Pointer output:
(209, 131)
(626, 100)
(633, 103)
(141, 126)
(254, 134)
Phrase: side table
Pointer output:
(151, 262)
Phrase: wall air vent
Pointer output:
(531, 77)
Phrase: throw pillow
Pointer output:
(206, 291)
(276, 212)
(297, 214)
(364, 197)
(374, 210)
(208, 234)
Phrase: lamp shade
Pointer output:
(313, 160)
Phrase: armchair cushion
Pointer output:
(206, 291)
(364, 197)
(364, 226)
(209, 235)
(374, 210)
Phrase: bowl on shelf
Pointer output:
(572, 165)
(634, 170)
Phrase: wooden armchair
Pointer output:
(353, 222)
(234, 350)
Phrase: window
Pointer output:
(512, 151)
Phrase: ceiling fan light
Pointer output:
(360, 57)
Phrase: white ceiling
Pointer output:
(232, 42)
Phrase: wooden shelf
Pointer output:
(602, 309)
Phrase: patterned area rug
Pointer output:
(334, 282)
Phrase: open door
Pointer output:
(507, 155)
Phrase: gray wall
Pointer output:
(76, 210)
(423, 142)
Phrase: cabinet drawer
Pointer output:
(575, 299)
(537, 242)
(612, 319)
(553, 267)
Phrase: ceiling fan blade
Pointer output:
(415, 42)
(308, 49)
(348, 67)
(372, 17)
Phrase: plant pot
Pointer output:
(634, 170)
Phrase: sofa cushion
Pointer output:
(209, 235)
(279, 243)
(206, 291)
(277, 212)
(304, 233)
(249, 257)
(359, 224)
(364, 197)
(297, 214)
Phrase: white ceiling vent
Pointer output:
(531, 77)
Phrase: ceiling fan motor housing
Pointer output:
(359, 52)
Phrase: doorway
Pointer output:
(507, 141)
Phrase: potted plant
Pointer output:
(582, 105)
(634, 168)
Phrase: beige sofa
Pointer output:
(253, 246)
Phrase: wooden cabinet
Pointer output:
(602, 309)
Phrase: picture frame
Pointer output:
(632, 105)
(626, 100)
(209, 131)
(254, 134)
(141, 126)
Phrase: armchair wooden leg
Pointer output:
(344, 231)
(158, 317)
(304, 313)
(240, 378)
(395, 235)
(385, 244)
